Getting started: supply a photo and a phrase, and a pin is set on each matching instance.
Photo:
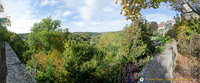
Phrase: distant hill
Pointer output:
(110, 38)
(23, 36)
(87, 36)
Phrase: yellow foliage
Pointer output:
(41, 60)
(140, 14)
(115, 1)
(53, 59)
(181, 32)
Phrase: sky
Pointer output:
(76, 15)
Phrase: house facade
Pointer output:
(163, 27)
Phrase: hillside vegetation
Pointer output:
(52, 54)
(55, 55)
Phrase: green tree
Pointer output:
(4, 21)
(18, 45)
(136, 41)
(153, 26)
(46, 36)
(4, 33)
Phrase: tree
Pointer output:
(17, 44)
(5, 20)
(4, 33)
(132, 8)
(46, 36)
(153, 26)
(3, 23)
(136, 41)
(1, 7)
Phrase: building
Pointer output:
(163, 27)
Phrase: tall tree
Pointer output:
(46, 35)
(153, 26)
(3, 23)
(136, 41)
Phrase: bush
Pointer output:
(18, 45)
(50, 66)
(4, 34)
(187, 33)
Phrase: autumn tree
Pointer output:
(132, 8)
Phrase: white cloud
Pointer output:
(50, 2)
(20, 13)
(157, 17)
(103, 26)
(66, 13)
(96, 15)
(85, 15)
(79, 24)
(72, 4)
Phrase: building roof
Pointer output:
(161, 25)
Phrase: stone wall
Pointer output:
(161, 68)
(16, 71)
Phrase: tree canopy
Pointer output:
(132, 8)
(46, 35)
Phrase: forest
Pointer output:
(52, 54)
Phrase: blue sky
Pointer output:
(77, 15)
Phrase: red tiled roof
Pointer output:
(161, 25)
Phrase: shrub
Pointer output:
(50, 66)
(187, 33)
